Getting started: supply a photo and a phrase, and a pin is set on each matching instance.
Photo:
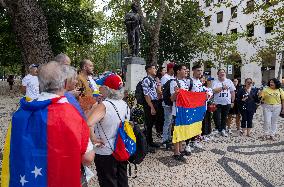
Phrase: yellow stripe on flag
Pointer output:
(185, 132)
(129, 130)
(5, 174)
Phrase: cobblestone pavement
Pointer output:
(233, 161)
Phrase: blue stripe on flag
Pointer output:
(187, 116)
(28, 156)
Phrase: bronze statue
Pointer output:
(133, 25)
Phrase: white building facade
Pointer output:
(219, 20)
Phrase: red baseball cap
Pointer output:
(170, 65)
(114, 82)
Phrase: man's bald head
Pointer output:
(62, 59)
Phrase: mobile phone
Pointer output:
(81, 89)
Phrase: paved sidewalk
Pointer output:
(233, 161)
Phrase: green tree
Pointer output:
(179, 28)
(152, 21)
(10, 55)
(30, 28)
(73, 28)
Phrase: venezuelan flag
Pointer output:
(44, 145)
(125, 143)
(190, 111)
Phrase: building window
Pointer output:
(250, 7)
(234, 31)
(219, 33)
(269, 26)
(220, 17)
(250, 30)
(234, 12)
(208, 3)
(207, 21)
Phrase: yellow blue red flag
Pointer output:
(190, 111)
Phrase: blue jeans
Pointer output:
(167, 123)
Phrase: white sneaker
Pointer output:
(197, 144)
(214, 132)
(230, 131)
(223, 133)
(188, 148)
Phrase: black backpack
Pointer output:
(139, 95)
(141, 150)
(141, 146)
(167, 93)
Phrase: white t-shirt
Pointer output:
(173, 85)
(224, 97)
(93, 84)
(32, 86)
(197, 85)
(165, 78)
(108, 126)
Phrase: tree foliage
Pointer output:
(10, 55)
(179, 28)
(74, 28)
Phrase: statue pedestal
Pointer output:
(135, 72)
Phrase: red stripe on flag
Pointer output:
(120, 152)
(189, 99)
(67, 139)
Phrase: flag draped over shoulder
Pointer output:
(44, 145)
(190, 111)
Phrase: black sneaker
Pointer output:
(179, 158)
(185, 153)
(151, 149)
(156, 145)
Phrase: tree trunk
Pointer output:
(30, 27)
(155, 34)
(154, 30)
(154, 47)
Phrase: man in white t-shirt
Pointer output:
(224, 97)
(196, 87)
(30, 84)
(167, 109)
(175, 85)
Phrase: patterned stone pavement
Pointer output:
(233, 161)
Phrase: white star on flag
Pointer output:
(37, 171)
(23, 180)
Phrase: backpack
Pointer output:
(125, 142)
(139, 95)
(167, 93)
(141, 146)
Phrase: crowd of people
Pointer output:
(227, 100)
(95, 108)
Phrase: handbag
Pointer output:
(211, 107)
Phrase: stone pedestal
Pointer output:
(135, 72)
